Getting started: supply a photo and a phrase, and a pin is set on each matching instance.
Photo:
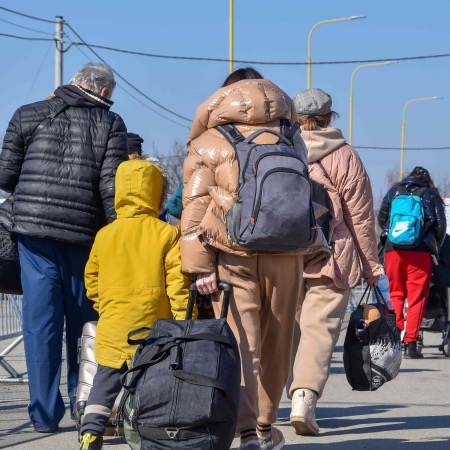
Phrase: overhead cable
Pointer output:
(126, 81)
(26, 28)
(26, 15)
(197, 58)
(399, 148)
(26, 38)
(133, 96)
(273, 63)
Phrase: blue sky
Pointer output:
(265, 30)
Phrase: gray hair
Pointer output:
(95, 77)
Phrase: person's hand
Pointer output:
(372, 281)
(207, 283)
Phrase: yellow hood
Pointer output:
(139, 187)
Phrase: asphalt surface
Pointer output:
(411, 412)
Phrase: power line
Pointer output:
(38, 72)
(273, 63)
(197, 58)
(26, 15)
(25, 28)
(133, 96)
(126, 81)
(26, 38)
(150, 108)
(399, 148)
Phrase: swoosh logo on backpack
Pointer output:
(400, 227)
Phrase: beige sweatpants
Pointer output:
(266, 290)
(317, 327)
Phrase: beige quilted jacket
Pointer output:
(352, 227)
(211, 168)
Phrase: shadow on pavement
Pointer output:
(329, 414)
(367, 444)
(341, 426)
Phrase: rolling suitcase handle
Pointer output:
(226, 287)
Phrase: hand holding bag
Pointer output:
(372, 347)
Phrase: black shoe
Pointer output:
(412, 352)
(91, 442)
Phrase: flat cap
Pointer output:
(313, 102)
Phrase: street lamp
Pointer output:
(231, 35)
(344, 19)
(402, 154)
(350, 127)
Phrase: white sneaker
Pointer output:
(275, 441)
(303, 412)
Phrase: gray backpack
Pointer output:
(273, 211)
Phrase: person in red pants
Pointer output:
(413, 232)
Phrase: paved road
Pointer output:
(411, 412)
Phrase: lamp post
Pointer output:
(343, 19)
(231, 35)
(350, 125)
(402, 154)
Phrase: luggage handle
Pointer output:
(134, 332)
(225, 287)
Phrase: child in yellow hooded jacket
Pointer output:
(134, 277)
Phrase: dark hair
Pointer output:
(423, 174)
(246, 73)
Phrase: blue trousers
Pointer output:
(52, 276)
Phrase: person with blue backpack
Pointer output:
(413, 223)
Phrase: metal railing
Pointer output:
(10, 326)
(10, 315)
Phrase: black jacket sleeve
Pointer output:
(440, 227)
(116, 152)
(385, 208)
(12, 155)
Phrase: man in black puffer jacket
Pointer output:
(59, 158)
(409, 268)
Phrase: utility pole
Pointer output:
(58, 51)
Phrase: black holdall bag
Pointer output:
(10, 282)
(372, 351)
(182, 389)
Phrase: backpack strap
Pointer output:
(47, 120)
(421, 191)
(231, 133)
(401, 189)
(288, 130)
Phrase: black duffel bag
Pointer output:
(372, 351)
(9, 254)
(182, 389)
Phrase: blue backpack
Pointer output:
(406, 220)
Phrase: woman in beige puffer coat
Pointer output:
(266, 287)
(327, 284)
